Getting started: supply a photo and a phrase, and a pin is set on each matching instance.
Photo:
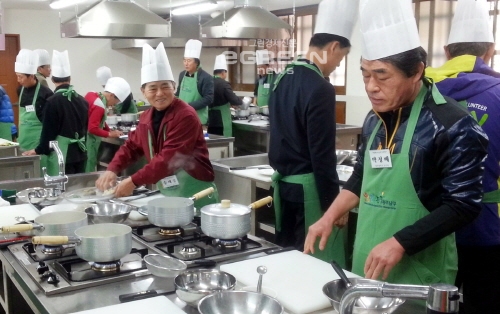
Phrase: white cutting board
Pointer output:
(156, 305)
(134, 215)
(8, 214)
(255, 174)
(296, 277)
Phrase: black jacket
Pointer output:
(205, 88)
(64, 118)
(302, 122)
(223, 94)
(43, 94)
(446, 168)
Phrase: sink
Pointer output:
(242, 161)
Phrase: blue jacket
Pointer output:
(6, 112)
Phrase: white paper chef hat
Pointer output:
(193, 49)
(119, 87)
(26, 62)
(262, 57)
(60, 64)
(337, 17)
(103, 75)
(471, 23)
(220, 62)
(155, 65)
(387, 27)
(43, 57)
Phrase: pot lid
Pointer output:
(225, 208)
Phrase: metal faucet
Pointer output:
(441, 298)
(60, 180)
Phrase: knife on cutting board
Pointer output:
(143, 295)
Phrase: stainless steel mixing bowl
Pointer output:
(164, 266)
(335, 289)
(108, 213)
(241, 302)
(191, 286)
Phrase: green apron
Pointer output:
(30, 128)
(389, 203)
(188, 186)
(263, 93)
(93, 142)
(117, 109)
(63, 142)
(225, 114)
(6, 130)
(336, 245)
(189, 93)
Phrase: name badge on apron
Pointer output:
(169, 182)
(30, 108)
(380, 158)
(267, 85)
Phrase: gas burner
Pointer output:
(170, 232)
(228, 243)
(50, 249)
(189, 249)
(108, 266)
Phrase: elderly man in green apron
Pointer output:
(265, 80)
(32, 100)
(196, 87)
(302, 143)
(219, 113)
(413, 182)
(43, 69)
(65, 121)
(169, 135)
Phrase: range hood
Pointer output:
(247, 20)
(116, 19)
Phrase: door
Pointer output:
(8, 77)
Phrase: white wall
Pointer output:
(40, 29)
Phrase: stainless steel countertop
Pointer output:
(263, 126)
(213, 140)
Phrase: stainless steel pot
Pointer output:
(96, 243)
(129, 117)
(228, 221)
(243, 113)
(62, 223)
(171, 212)
(264, 110)
(253, 109)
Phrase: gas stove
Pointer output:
(64, 271)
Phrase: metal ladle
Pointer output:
(344, 278)
(261, 270)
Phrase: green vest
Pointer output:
(93, 142)
(189, 93)
(389, 203)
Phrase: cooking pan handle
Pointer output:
(54, 240)
(17, 228)
(202, 194)
(261, 202)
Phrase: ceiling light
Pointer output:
(59, 4)
(195, 8)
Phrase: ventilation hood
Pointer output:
(115, 19)
(247, 20)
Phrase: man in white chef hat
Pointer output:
(219, 113)
(169, 136)
(65, 121)
(128, 105)
(467, 78)
(265, 79)
(32, 101)
(196, 87)
(43, 69)
(413, 183)
(302, 122)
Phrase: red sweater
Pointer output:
(96, 113)
(184, 147)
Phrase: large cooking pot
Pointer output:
(129, 117)
(96, 243)
(228, 221)
(62, 223)
(264, 110)
(171, 212)
(253, 109)
(243, 113)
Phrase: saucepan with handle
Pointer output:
(63, 223)
(96, 243)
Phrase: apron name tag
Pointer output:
(30, 108)
(169, 182)
(267, 85)
(380, 158)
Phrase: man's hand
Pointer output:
(383, 258)
(106, 181)
(115, 133)
(125, 188)
(321, 229)
(29, 153)
(342, 221)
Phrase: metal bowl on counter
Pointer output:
(108, 213)
(241, 302)
(164, 266)
(335, 289)
(193, 285)
(342, 155)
